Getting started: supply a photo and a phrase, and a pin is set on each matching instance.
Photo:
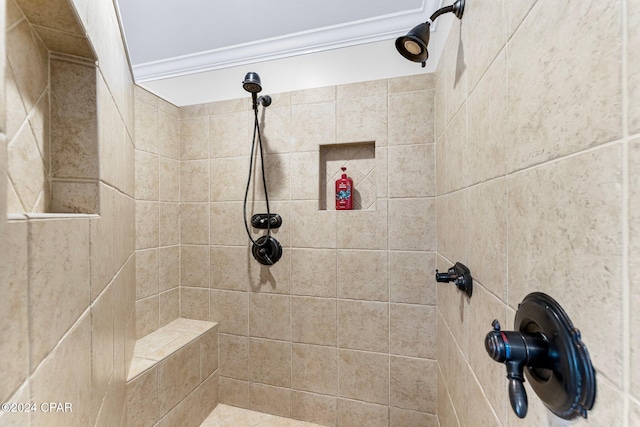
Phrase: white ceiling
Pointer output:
(195, 51)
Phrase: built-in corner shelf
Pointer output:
(360, 160)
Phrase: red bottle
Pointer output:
(344, 192)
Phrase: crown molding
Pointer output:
(301, 43)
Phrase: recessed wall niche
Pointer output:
(360, 160)
(52, 134)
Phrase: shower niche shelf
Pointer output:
(360, 160)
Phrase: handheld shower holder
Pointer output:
(460, 275)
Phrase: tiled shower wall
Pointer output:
(68, 281)
(537, 171)
(157, 212)
(342, 328)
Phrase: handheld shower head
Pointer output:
(252, 83)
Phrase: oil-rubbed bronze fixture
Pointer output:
(549, 350)
(460, 275)
(413, 46)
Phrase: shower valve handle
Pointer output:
(517, 350)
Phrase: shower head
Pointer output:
(252, 83)
(413, 46)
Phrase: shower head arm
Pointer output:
(457, 8)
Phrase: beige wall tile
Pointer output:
(312, 125)
(229, 106)
(310, 96)
(229, 266)
(16, 113)
(270, 400)
(65, 376)
(362, 414)
(411, 83)
(412, 224)
(310, 227)
(72, 197)
(169, 180)
(480, 55)
(487, 238)
(27, 56)
(543, 83)
(411, 277)
(194, 138)
(147, 316)
(412, 171)
(168, 132)
(15, 343)
(313, 272)
(305, 175)
(147, 271)
(364, 376)
(227, 226)
(314, 408)
(363, 325)
(74, 147)
(194, 266)
(178, 375)
(315, 369)
(633, 64)
(194, 303)
(229, 134)
(59, 280)
(454, 147)
(634, 262)
(406, 417)
(209, 394)
(411, 118)
(487, 121)
(363, 229)
(270, 362)
(147, 175)
(102, 348)
(228, 178)
(453, 226)
(446, 414)
(548, 238)
(362, 89)
(169, 268)
(270, 316)
(168, 306)
(413, 384)
(194, 223)
(234, 356)
(516, 12)
(208, 353)
(28, 181)
(313, 320)
(147, 217)
(194, 181)
(362, 119)
(142, 399)
(363, 275)
(169, 224)
(275, 128)
(231, 310)
(491, 376)
(412, 330)
(146, 127)
(234, 392)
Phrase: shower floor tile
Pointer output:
(230, 416)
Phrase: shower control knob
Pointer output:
(547, 348)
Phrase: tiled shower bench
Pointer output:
(173, 378)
